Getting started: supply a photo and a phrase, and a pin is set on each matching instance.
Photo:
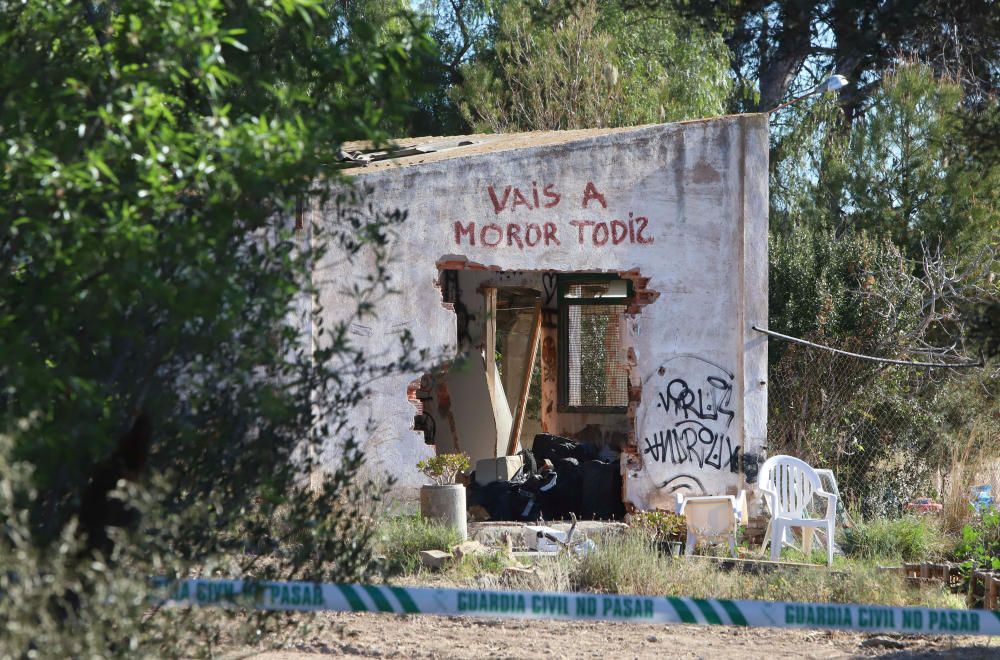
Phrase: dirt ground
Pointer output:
(409, 636)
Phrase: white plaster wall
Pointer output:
(473, 413)
(702, 188)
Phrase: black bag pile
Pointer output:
(579, 482)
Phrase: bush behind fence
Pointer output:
(890, 433)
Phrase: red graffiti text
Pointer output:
(523, 235)
(513, 198)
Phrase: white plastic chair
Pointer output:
(712, 518)
(788, 485)
(829, 483)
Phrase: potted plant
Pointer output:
(444, 500)
(666, 530)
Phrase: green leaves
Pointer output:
(900, 172)
(592, 65)
(443, 469)
(153, 153)
(878, 245)
(981, 541)
(145, 142)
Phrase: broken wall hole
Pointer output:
(538, 354)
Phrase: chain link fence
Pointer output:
(891, 433)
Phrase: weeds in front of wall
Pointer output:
(630, 565)
(659, 526)
(472, 566)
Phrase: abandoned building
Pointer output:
(599, 285)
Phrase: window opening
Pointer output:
(594, 371)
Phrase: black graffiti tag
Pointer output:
(694, 443)
(698, 430)
(703, 403)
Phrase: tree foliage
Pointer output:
(902, 171)
(901, 174)
(782, 48)
(830, 410)
(883, 243)
(462, 30)
(591, 65)
(154, 376)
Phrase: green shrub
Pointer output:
(401, 539)
(980, 542)
(660, 525)
(910, 538)
(160, 401)
(443, 469)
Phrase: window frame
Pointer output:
(563, 283)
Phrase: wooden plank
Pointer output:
(522, 399)
(490, 339)
(761, 565)
(973, 599)
(944, 573)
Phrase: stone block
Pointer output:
(435, 559)
(489, 470)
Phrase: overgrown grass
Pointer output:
(401, 538)
(973, 461)
(474, 566)
(630, 564)
(910, 538)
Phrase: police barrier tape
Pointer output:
(310, 596)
